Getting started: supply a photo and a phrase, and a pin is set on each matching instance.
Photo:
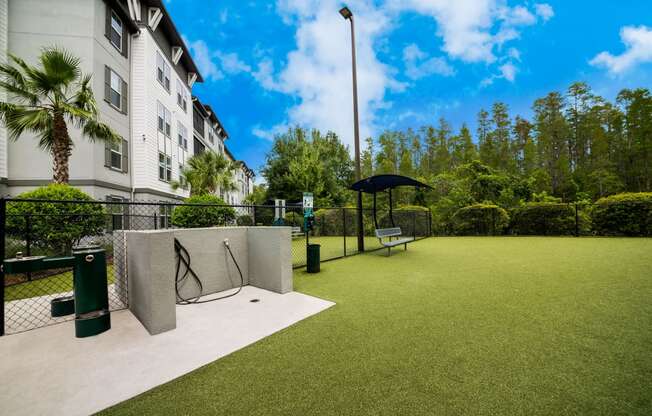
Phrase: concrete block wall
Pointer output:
(263, 253)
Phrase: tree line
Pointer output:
(577, 146)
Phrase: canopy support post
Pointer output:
(391, 214)
(375, 218)
(360, 224)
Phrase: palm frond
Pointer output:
(96, 131)
(21, 119)
(84, 98)
(60, 67)
(35, 79)
(13, 81)
(76, 115)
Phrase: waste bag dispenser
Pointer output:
(90, 300)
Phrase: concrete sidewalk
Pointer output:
(48, 371)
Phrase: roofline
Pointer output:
(177, 40)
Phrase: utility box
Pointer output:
(312, 258)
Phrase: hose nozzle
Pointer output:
(226, 242)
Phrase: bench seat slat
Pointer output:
(395, 243)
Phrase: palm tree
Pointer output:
(207, 172)
(45, 99)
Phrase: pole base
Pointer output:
(92, 323)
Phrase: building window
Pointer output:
(182, 96)
(116, 90)
(164, 120)
(116, 156)
(117, 212)
(182, 178)
(162, 71)
(211, 138)
(116, 31)
(183, 135)
(164, 167)
(164, 216)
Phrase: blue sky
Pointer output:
(272, 64)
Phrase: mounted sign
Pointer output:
(307, 201)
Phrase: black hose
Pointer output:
(184, 257)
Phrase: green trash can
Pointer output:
(312, 257)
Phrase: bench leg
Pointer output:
(389, 251)
(405, 247)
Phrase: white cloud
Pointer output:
(418, 66)
(518, 16)
(467, 26)
(203, 57)
(268, 134)
(638, 43)
(544, 11)
(508, 71)
(318, 71)
(231, 63)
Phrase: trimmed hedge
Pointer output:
(55, 227)
(203, 211)
(480, 219)
(628, 214)
(545, 218)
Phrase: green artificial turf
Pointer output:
(58, 283)
(332, 247)
(510, 326)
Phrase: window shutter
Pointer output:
(125, 41)
(125, 156)
(107, 25)
(107, 84)
(107, 154)
(125, 97)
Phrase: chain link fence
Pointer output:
(53, 228)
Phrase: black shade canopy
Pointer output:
(379, 183)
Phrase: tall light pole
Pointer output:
(348, 15)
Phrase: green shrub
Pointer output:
(244, 221)
(203, 211)
(547, 218)
(624, 214)
(263, 215)
(330, 222)
(480, 219)
(293, 219)
(55, 227)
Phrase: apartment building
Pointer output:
(209, 133)
(143, 78)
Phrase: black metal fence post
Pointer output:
(28, 241)
(414, 225)
(344, 228)
(577, 221)
(3, 223)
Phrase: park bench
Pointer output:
(296, 232)
(389, 234)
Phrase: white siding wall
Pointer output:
(146, 94)
(4, 28)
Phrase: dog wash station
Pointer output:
(194, 295)
(185, 266)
